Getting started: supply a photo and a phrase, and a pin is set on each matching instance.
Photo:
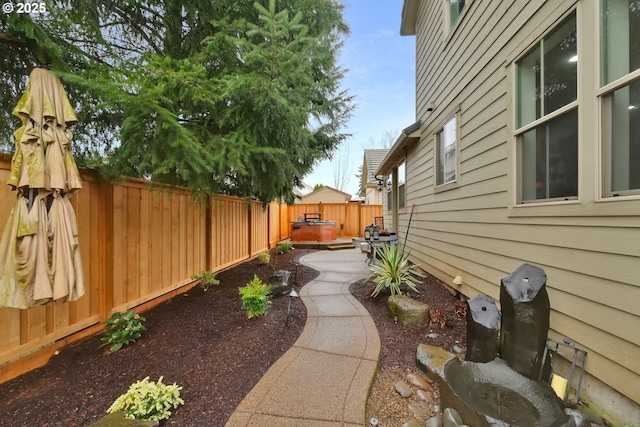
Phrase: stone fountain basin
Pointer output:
(491, 394)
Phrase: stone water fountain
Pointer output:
(503, 391)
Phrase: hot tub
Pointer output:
(320, 231)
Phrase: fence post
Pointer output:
(105, 233)
(250, 226)
(208, 233)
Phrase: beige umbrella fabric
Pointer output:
(39, 254)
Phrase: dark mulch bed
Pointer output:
(203, 342)
(200, 340)
(399, 343)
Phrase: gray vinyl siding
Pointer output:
(590, 251)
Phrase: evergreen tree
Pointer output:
(219, 96)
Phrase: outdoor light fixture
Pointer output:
(292, 294)
(380, 184)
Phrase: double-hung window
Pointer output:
(620, 96)
(547, 117)
(389, 185)
(455, 9)
(446, 153)
(402, 181)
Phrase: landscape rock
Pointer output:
(580, 419)
(419, 410)
(418, 381)
(458, 350)
(434, 422)
(451, 418)
(403, 388)
(412, 423)
(424, 395)
(279, 282)
(408, 311)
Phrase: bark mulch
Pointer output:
(204, 342)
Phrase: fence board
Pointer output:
(259, 229)
(145, 239)
(350, 218)
(138, 244)
(285, 222)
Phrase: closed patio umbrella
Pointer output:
(39, 255)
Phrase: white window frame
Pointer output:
(604, 95)
(402, 184)
(450, 183)
(541, 121)
(449, 22)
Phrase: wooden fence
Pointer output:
(140, 246)
(351, 218)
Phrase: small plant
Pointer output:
(206, 279)
(284, 247)
(264, 258)
(122, 329)
(146, 400)
(393, 270)
(255, 297)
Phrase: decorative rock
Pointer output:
(279, 282)
(419, 410)
(403, 388)
(451, 418)
(424, 395)
(592, 416)
(463, 383)
(578, 417)
(418, 381)
(458, 350)
(408, 311)
(412, 423)
(436, 409)
(434, 422)
(432, 335)
(525, 319)
(483, 321)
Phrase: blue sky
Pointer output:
(381, 76)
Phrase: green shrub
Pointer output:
(206, 279)
(392, 270)
(122, 329)
(255, 298)
(264, 258)
(148, 400)
(284, 247)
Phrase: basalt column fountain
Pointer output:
(525, 319)
(483, 323)
(487, 390)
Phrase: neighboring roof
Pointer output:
(301, 189)
(327, 188)
(409, 136)
(372, 160)
(409, 17)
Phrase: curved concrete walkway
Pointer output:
(324, 379)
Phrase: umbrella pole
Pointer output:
(406, 236)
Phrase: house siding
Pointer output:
(589, 248)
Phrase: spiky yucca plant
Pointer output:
(392, 270)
